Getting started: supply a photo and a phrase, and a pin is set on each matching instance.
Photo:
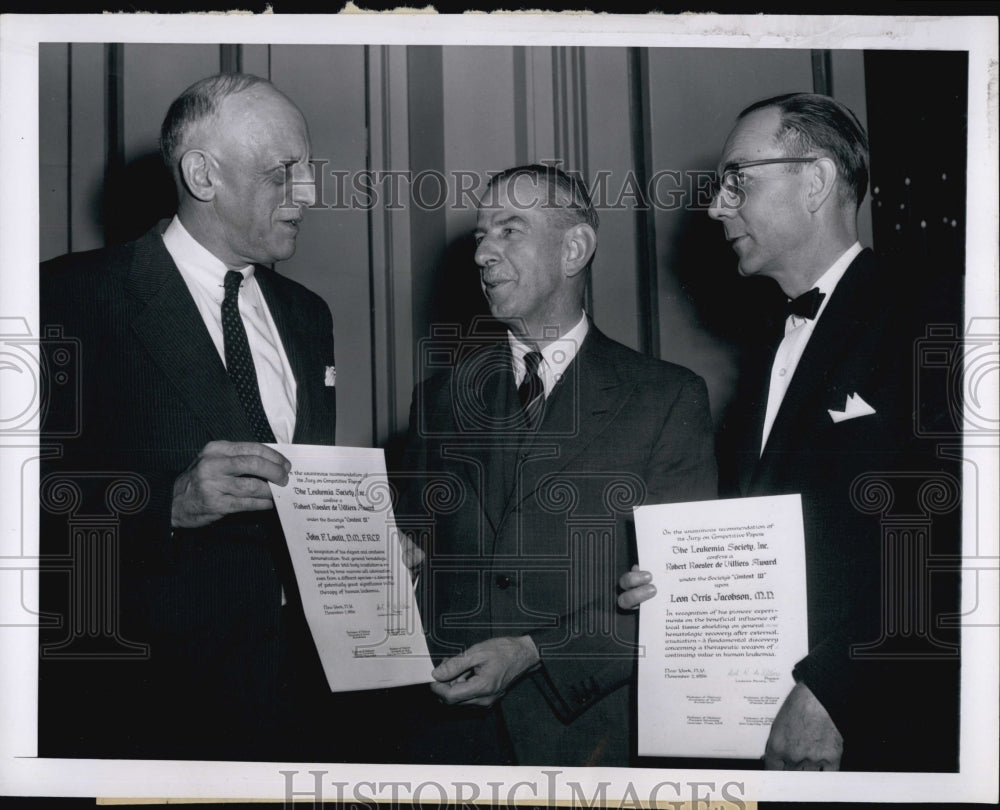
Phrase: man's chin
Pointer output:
(283, 252)
(746, 269)
(495, 303)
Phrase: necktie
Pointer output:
(531, 391)
(239, 362)
(806, 305)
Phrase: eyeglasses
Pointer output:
(732, 180)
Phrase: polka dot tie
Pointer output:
(531, 391)
(239, 361)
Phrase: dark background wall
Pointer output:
(394, 270)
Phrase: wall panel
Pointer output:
(53, 149)
(257, 60)
(139, 191)
(88, 134)
(431, 298)
(609, 154)
(695, 95)
(154, 76)
(540, 119)
(479, 137)
(71, 147)
(848, 76)
(392, 270)
(332, 256)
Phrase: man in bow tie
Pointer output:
(194, 354)
(546, 438)
(825, 409)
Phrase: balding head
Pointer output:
(239, 150)
(196, 107)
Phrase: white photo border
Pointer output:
(22, 773)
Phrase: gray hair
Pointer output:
(566, 193)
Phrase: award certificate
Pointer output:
(336, 513)
(728, 623)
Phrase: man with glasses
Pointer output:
(825, 410)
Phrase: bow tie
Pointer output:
(806, 305)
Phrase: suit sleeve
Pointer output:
(317, 333)
(893, 656)
(680, 467)
(682, 463)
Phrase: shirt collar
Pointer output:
(557, 355)
(198, 263)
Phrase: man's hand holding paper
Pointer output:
(227, 477)
(637, 587)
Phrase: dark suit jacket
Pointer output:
(527, 533)
(218, 678)
(866, 519)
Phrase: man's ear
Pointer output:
(822, 181)
(579, 244)
(196, 173)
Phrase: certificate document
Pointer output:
(728, 623)
(336, 513)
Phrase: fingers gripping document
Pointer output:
(336, 513)
(728, 623)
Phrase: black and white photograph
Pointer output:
(499, 408)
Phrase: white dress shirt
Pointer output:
(797, 333)
(556, 357)
(203, 274)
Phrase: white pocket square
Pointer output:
(330, 378)
(854, 408)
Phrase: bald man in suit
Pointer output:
(229, 670)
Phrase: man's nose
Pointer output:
(303, 184)
(718, 207)
(486, 253)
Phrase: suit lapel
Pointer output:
(583, 404)
(171, 329)
(500, 454)
(752, 422)
(478, 407)
(745, 427)
(306, 378)
(842, 323)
